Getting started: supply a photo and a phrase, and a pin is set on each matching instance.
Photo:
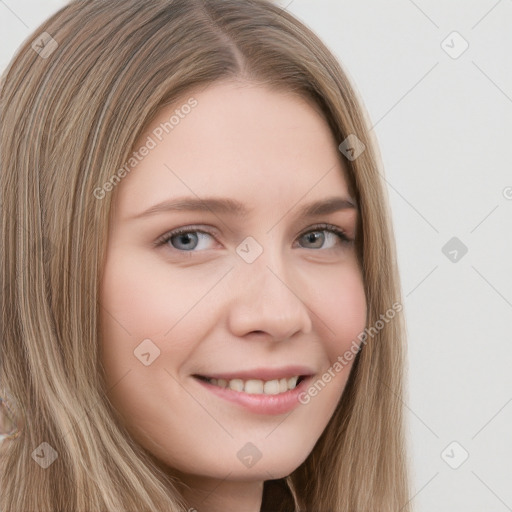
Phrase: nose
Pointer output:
(267, 300)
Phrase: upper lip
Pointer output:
(263, 373)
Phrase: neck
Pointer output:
(210, 495)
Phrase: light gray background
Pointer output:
(444, 127)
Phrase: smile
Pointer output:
(258, 396)
(257, 386)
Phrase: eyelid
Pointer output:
(185, 229)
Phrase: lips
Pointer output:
(265, 374)
(253, 400)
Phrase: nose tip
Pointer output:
(269, 304)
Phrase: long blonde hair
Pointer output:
(73, 101)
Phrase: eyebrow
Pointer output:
(236, 208)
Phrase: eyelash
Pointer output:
(320, 227)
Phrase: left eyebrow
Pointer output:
(327, 206)
(234, 207)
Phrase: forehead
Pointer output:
(239, 140)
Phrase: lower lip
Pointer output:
(261, 403)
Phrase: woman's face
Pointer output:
(241, 293)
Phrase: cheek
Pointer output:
(133, 309)
(340, 316)
(340, 304)
(143, 300)
(128, 292)
(339, 309)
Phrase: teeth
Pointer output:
(256, 386)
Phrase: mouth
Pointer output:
(256, 386)
(269, 397)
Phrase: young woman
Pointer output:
(200, 303)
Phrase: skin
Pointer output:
(207, 310)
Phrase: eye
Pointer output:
(188, 239)
(317, 236)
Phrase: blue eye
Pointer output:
(333, 231)
(189, 239)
